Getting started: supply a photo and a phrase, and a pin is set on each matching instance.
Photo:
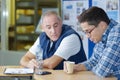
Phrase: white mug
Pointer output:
(69, 66)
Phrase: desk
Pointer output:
(57, 75)
(2, 68)
(61, 75)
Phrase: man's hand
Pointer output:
(32, 64)
(79, 67)
(28, 60)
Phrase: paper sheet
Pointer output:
(18, 71)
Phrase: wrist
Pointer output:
(80, 67)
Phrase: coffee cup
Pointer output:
(69, 66)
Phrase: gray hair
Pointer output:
(49, 13)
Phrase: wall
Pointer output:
(10, 57)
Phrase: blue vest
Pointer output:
(45, 45)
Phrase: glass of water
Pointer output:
(39, 59)
(38, 70)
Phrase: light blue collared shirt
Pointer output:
(105, 60)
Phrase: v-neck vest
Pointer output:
(47, 52)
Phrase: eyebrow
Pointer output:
(53, 24)
(56, 23)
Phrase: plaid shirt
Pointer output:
(105, 60)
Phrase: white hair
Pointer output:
(47, 13)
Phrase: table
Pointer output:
(56, 75)
(61, 75)
(15, 76)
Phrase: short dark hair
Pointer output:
(93, 16)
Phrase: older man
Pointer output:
(57, 43)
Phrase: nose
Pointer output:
(52, 30)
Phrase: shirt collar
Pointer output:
(109, 27)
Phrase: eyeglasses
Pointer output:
(89, 31)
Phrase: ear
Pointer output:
(42, 28)
(103, 24)
(61, 22)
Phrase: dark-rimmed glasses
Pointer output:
(89, 31)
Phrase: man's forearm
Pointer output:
(52, 62)
(24, 62)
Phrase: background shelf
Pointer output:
(27, 15)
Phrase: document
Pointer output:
(19, 71)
